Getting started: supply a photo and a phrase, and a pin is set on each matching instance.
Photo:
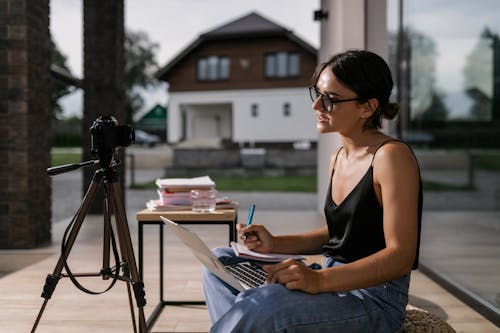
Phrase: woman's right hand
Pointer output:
(258, 238)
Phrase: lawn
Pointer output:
(65, 156)
(261, 184)
(279, 184)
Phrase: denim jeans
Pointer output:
(273, 308)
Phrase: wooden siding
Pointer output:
(183, 77)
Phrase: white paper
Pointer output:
(203, 181)
(243, 252)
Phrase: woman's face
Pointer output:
(344, 116)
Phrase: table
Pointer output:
(148, 217)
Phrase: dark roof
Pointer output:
(65, 76)
(154, 119)
(250, 25)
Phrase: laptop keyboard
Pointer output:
(249, 273)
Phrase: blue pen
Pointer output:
(250, 218)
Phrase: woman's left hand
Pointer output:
(294, 275)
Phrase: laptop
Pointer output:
(241, 276)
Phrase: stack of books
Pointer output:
(175, 194)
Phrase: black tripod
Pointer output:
(113, 200)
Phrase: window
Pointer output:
(254, 110)
(449, 92)
(213, 68)
(281, 64)
(286, 110)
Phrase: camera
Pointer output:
(106, 135)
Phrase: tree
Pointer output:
(479, 76)
(436, 112)
(479, 66)
(422, 72)
(140, 63)
(59, 87)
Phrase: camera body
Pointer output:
(106, 135)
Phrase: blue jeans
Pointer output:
(273, 308)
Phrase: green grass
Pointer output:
(261, 184)
(65, 157)
(291, 184)
(281, 184)
(488, 162)
(428, 185)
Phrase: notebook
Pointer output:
(241, 276)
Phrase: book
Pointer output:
(244, 252)
(158, 206)
(175, 198)
(184, 184)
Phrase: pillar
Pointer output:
(25, 189)
(103, 40)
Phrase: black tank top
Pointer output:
(355, 225)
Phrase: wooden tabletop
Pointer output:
(187, 215)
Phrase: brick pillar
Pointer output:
(25, 192)
(103, 70)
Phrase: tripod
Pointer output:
(108, 177)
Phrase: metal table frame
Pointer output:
(147, 217)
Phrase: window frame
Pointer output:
(282, 64)
(215, 68)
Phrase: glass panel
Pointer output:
(286, 109)
(282, 64)
(270, 65)
(224, 68)
(447, 62)
(294, 64)
(212, 68)
(254, 110)
(202, 69)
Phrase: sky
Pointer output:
(173, 24)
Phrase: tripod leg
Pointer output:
(115, 194)
(52, 279)
(106, 271)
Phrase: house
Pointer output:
(244, 82)
(154, 121)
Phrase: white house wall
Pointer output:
(270, 125)
(208, 121)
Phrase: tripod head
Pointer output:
(106, 136)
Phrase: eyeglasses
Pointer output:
(326, 101)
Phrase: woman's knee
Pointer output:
(267, 299)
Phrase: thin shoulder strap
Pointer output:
(336, 156)
(380, 145)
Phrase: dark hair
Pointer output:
(368, 75)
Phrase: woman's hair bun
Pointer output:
(390, 111)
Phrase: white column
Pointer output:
(351, 24)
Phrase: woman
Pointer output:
(373, 212)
